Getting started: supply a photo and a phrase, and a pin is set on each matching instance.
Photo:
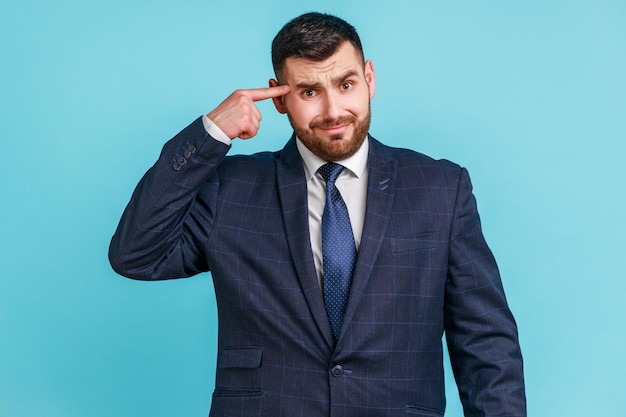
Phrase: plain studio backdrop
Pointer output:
(529, 96)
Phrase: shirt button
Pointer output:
(337, 371)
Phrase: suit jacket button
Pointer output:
(176, 166)
(181, 161)
(337, 371)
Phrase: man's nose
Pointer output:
(331, 108)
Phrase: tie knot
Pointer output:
(330, 171)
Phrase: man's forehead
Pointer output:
(345, 61)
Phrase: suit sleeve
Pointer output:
(164, 226)
(480, 329)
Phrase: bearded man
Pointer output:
(339, 263)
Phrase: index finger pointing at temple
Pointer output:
(259, 94)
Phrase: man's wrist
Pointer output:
(214, 131)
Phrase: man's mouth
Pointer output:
(334, 127)
(335, 130)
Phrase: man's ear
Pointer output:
(279, 102)
(370, 78)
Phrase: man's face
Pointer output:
(329, 102)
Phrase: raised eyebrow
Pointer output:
(336, 80)
(345, 76)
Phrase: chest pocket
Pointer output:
(415, 242)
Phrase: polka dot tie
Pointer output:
(338, 249)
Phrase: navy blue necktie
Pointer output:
(338, 249)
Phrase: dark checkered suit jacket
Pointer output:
(423, 268)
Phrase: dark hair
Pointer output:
(313, 36)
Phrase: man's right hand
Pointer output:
(238, 116)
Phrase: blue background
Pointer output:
(529, 96)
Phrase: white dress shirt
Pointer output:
(351, 183)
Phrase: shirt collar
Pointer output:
(357, 163)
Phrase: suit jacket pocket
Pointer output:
(414, 410)
(241, 357)
(239, 403)
(238, 372)
(415, 242)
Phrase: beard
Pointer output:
(338, 147)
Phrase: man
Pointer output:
(334, 282)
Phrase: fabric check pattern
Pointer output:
(338, 249)
(249, 228)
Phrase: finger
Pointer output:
(259, 94)
(256, 112)
(250, 127)
(250, 132)
(248, 110)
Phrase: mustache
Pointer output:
(330, 123)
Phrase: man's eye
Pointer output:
(309, 93)
(346, 86)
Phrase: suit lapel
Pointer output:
(292, 190)
(380, 191)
